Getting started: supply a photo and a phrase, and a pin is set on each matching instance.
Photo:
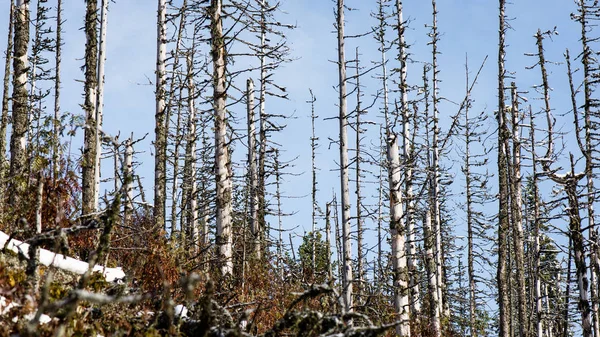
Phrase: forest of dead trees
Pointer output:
(447, 220)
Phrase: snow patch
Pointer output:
(48, 258)
(181, 311)
(6, 305)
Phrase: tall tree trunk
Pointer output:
(160, 143)
(503, 219)
(587, 58)
(100, 99)
(435, 173)
(222, 160)
(313, 155)
(570, 183)
(18, 141)
(190, 158)
(56, 122)
(470, 220)
(516, 215)
(407, 153)
(262, 116)
(359, 217)
(539, 328)
(88, 165)
(5, 99)
(252, 171)
(343, 142)
(429, 232)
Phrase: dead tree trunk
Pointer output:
(18, 142)
(516, 214)
(503, 217)
(223, 164)
(160, 143)
(5, 98)
(190, 160)
(88, 166)
(344, 177)
(252, 171)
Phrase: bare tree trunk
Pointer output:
(252, 171)
(100, 98)
(56, 122)
(190, 158)
(18, 141)
(222, 160)
(328, 239)
(516, 215)
(347, 281)
(429, 234)
(570, 182)
(503, 217)
(160, 143)
(435, 174)
(313, 150)
(470, 219)
(5, 99)
(262, 116)
(128, 180)
(539, 320)
(408, 161)
(359, 217)
(88, 165)
(277, 172)
(587, 58)
(429, 230)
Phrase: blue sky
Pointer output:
(468, 27)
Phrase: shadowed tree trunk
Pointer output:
(18, 142)
(160, 143)
(88, 165)
(5, 99)
(503, 202)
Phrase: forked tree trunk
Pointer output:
(222, 160)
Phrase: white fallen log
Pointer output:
(48, 258)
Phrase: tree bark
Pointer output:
(18, 141)
(222, 160)
(516, 214)
(252, 171)
(100, 99)
(503, 228)
(88, 165)
(344, 177)
(160, 143)
(5, 99)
